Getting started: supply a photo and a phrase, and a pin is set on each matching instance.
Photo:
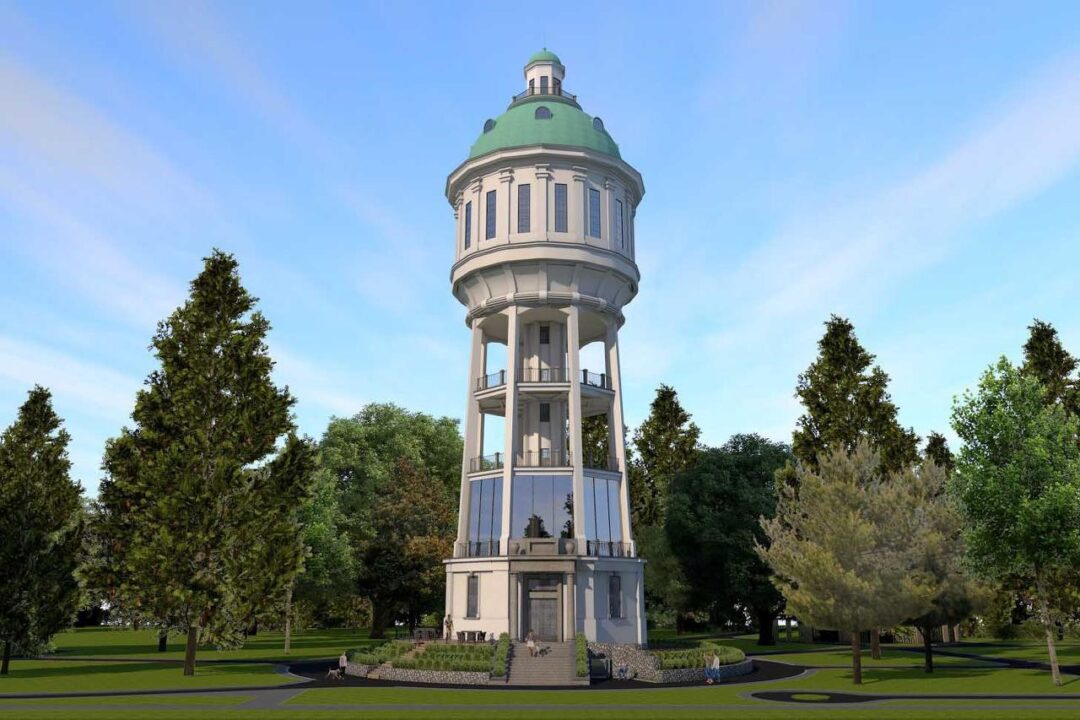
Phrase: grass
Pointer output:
(209, 699)
(1068, 652)
(891, 656)
(266, 646)
(45, 676)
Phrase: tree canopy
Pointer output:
(664, 445)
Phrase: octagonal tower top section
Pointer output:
(544, 191)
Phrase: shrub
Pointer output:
(501, 657)
(695, 657)
(383, 653)
(582, 654)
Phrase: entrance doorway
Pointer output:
(543, 607)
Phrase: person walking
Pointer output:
(530, 642)
(343, 663)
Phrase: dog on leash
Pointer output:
(333, 674)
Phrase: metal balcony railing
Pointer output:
(482, 548)
(610, 548)
(600, 380)
(491, 380)
(543, 458)
(543, 375)
(550, 90)
(487, 462)
(601, 462)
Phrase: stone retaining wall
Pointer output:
(358, 670)
(439, 677)
(686, 675)
(646, 667)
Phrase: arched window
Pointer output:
(598, 124)
(488, 125)
(542, 113)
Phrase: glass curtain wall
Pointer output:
(485, 516)
(603, 519)
(542, 506)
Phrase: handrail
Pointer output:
(491, 380)
(543, 375)
(481, 548)
(609, 548)
(487, 462)
(550, 90)
(543, 458)
(601, 462)
(600, 380)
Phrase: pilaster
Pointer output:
(510, 426)
(573, 357)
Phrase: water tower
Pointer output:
(544, 263)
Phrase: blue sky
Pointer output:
(912, 166)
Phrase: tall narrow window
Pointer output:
(489, 224)
(532, 86)
(545, 412)
(472, 603)
(545, 334)
(543, 85)
(615, 596)
(468, 224)
(619, 223)
(594, 212)
(523, 208)
(560, 207)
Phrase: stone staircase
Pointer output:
(554, 666)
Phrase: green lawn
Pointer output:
(43, 676)
(1068, 652)
(890, 657)
(209, 699)
(126, 643)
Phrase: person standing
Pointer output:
(530, 642)
(449, 625)
(343, 663)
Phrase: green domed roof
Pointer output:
(568, 125)
(544, 55)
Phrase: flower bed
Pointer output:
(383, 653)
(449, 657)
(695, 657)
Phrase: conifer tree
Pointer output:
(180, 488)
(40, 538)
(937, 450)
(846, 399)
(1047, 360)
(665, 445)
(842, 550)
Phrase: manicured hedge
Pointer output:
(582, 654)
(501, 657)
(383, 653)
(449, 657)
(694, 658)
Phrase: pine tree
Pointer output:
(937, 450)
(1047, 360)
(40, 541)
(846, 399)
(665, 445)
(180, 487)
(842, 550)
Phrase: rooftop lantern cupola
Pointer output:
(544, 74)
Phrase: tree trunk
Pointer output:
(380, 617)
(288, 621)
(856, 657)
(189, 650)
(135, 624)
(7, 658)
(875, 643)
(1044, 612)
(787, 629)
(928, 648)
(162, 640)
(765, 621)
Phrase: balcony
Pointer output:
(600, 380)
(542, 546)
(483, 548)
(610, 548)
(487, 462)
(543, 375)
(491, 380)
(555, 91)
(548, 458)
(601, 462)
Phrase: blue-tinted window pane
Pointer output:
(472, 602)
(560, 207)
(594, 213)
(475, 491)
(542, 113)
(544, 84)
(590, 510)
(524, 214)
(542, 520)
(489, 228)
(521, 506)
(603, 530)
(496, 508)
(468, 224)
(619, 222)
(564, 505)
(484, 532)
(615, 596)
(614, 515)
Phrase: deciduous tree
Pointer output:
(1017, 481)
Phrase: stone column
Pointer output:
(543, 202)
(575, 204)
(571, 606)
(515, 607)
(616, 426)
(506, 179)
(573, 355)
(510, 428)
(472, 444)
